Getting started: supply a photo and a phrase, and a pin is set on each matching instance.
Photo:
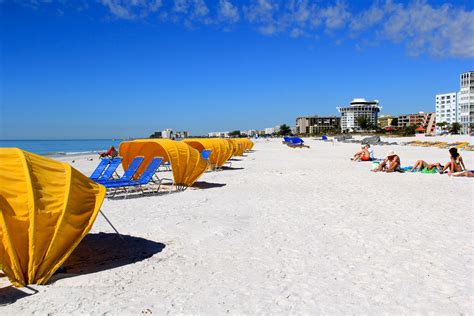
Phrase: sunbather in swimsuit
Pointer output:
(390, 164)
(363, 155)
(456, 164)
(421, 164)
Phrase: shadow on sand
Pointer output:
(230, 168)
(10, 294)
(96, 252)
(206, 185)
(104, 251)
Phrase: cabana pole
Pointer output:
(116, 231)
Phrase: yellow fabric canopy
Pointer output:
(220, 150)
(186, 162)
(46, 208)
(240, 146)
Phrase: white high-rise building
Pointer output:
(167, 133)
(358, 108)
(466, 102)
(447, 109)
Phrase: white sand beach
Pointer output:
(284, 231)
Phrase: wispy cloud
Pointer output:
(228, 12)
(421, 27)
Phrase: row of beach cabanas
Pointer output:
(47, 207)
(184, 157)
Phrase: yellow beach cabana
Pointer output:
(186, 162)
(220, 150)
(46, 208)
(240, 146)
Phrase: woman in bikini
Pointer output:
(421, 164)
(456, 164)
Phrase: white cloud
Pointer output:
(228, 12)
(441, 31)
(131, 9)
(422, 27)
(336, 16)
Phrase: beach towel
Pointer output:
(432, 170)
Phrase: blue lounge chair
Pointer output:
(100, 169)
(145, 178)
(111, 169)
(128, 174)
(296, 142)
(206, 153)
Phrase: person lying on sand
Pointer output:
(390, 164)
(456, 164)
(468, 173)
(365, 154)
(421, 164)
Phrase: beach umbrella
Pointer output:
(46, 208)
(186, 162)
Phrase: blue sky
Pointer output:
(111, 68)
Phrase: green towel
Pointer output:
(426, 170)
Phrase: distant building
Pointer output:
(182, 134)
(250, 132)
(358, 108)
(269, 130)
(167, 133)
(219, 134)
(425, 120)
(385, 120)
(316, 124)
(447, 109)
(466, 101)
(155, 135)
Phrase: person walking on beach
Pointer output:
(390, 164)
(456, 164)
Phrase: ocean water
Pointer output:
(62, 147)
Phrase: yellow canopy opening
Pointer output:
(186, 162)
(220, 151)
(46, 208)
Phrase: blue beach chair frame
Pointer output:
(128, 174)
(111, 170)
(145, 179)
(100, 169)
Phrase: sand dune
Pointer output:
(283, 231)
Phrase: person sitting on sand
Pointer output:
(112, 152)
(366, 154)
(390, 164)
(456, 164)
(421, 164)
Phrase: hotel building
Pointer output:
(426, 120)
(466, 102)
(385, 120)
(358, 108)
(447, 109)
(316, 124)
